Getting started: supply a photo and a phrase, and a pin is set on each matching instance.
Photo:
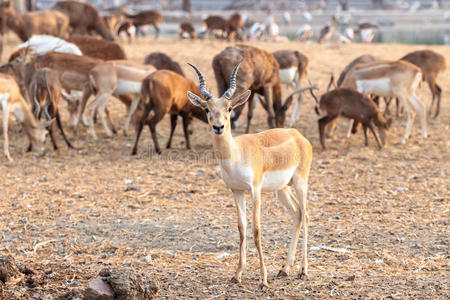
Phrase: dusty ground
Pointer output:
(74, 212)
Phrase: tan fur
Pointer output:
(391, 79)
(16, 104)
(267, 161)
(105, 79)
(50, 22)
(165, 92)
(84, 17)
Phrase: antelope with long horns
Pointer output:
(270, 161)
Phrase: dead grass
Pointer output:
(74, 212)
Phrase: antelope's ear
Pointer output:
(241, 99)
(196, 100)
(46, 124)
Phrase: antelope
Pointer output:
(162, 61)
(118, 77)
(293, 68)
(186, 28)
(391, 79)
(45, 92)
(269, 161)
(164, 92)
(354, 105)
(97, 48)
(12, 101)
(44, 22)
(148, 17)
(260, 75)
(84, 17)
(431, 64)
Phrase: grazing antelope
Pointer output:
(147, 17)
(164, 92)
(50, 22)
(12, 101)
(270, 161)
(84, 17)
(353, 105)
(293, 68)
(391, 79)
(187, 30)
(118, 77)
(45, 92)
(431, 64)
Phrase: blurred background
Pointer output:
(389, 21)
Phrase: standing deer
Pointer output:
(148, 17)
(293, 68)
(270, 161)
(112, 78)
(12, 101)
(391, 79)
(431, 64)
(50, 22)
(84, 17)
(260, 74)
(164, 92)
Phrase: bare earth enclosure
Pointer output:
(379, 218)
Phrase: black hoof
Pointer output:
(282, 274)
(234, 280)
(134, 152)
(302, 274)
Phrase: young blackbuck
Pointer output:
(354, 105)
(12, 101)
(270, 161)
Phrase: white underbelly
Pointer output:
(380, 86)
(288, 75)
(236, 177)
(276, 180)
(128, 87)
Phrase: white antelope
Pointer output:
(391, 79)
(12, 101)
(269, 161)
(115, 77)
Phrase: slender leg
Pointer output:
(269, 100)
(92, 107)
(290, 202)
(173, 125)
(301, 187)
(295, 115)
(148, 108)
(58, 122)
(152, 125)
(81, 107)
(239, 198)
(133, 106)
(101, 112)
(349, 131)
(377, 138)
(186, 121)
(366, 141)
(5, 110)
(420, 108)
(410, 114)
(251, 109)
(157, 30)
(438, 104)
(256, 199)
(322, 125)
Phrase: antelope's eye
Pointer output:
(230, 109)
(207, 110)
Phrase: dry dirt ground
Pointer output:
(75, 212)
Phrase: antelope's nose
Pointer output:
(218, 129)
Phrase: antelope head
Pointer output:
(218, 110)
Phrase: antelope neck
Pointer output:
(224, 145)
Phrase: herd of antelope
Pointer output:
(50, 68)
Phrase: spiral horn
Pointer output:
(203, 90)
